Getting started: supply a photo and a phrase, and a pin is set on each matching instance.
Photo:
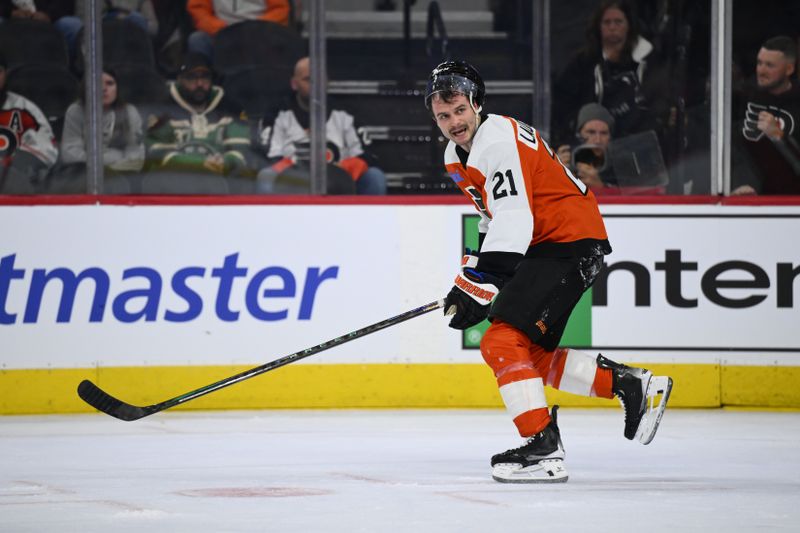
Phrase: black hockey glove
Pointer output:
(471, 296)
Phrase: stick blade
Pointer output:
(104, 402)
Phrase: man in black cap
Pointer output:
(195, 133)
(27, 145)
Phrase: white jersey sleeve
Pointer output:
(282, 135)
(496, 157)
(341, 131)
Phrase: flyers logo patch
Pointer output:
(8, 142)
(750, 129)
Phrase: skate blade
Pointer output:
(543, 472)
(659, 389)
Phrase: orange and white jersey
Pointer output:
(529, 202)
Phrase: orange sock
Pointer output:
(572, 371)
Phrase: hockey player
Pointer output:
(542, 242)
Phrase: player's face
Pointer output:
(596, 132)
(456, 119)
(772, 69)
(613, 26)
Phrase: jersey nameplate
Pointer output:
(527, 135)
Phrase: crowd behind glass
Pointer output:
(212, 97)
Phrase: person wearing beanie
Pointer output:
(588, 160)
(594, 111)
(27, 145)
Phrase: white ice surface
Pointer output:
(387, 471)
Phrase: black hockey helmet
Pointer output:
(457, 76)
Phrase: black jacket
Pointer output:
(770, 166)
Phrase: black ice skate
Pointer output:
(637, 390)
(539, 460)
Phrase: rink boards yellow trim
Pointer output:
(371, 386)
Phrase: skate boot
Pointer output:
(637, 390)
(539, 460)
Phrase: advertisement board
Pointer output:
(706, 292)
(87, 285)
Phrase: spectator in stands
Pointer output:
(754, 21)
(58, 12)
(588, 157)
(196, 133)
(123, 146)
(286, 144)
(27, 145)
(210, 16)
(768, 134)
(613, 69)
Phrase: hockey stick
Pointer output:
(102, 401)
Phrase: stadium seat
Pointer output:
(140, 84)
(72, 179)
(124, 43)
(165, 182)
(254, 43)
(241, 185)
(67, 178)
(258, 90)
(117, 185)
(51, 87)
(29, 42)
(13, 182)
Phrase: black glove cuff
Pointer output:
(501, 264)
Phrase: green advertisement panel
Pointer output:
(579, 327)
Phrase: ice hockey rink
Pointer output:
(388, 470)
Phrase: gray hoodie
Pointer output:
(122, 150)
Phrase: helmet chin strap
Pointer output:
(472, 104)
(477, 110)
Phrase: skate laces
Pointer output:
(527, 442)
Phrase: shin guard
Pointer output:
(506, 350)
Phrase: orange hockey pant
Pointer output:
(523, 368)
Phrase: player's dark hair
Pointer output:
(447, 96)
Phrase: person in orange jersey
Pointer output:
(210, 16)
(542, 243)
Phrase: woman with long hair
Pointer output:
(613, 69)
(123, 147)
